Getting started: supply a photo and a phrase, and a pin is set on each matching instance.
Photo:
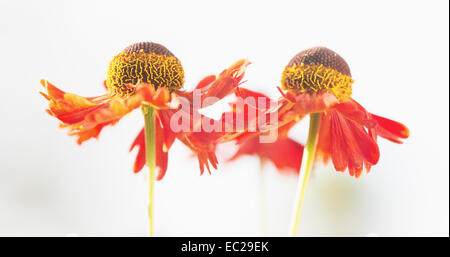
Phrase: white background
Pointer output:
(398, 53)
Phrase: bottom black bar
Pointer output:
(227, 246)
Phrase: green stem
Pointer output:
(306, 167)
(150, 157)
(262, 198)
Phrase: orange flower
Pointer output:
(318, 80)
(145, 74)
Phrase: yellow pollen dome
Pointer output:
(317, 70)
(145, 62)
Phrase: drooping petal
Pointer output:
(351, 146)
(201, 142)
(209, 90)
(70, 108)
(139, 142)
(162, 145)
(323, 149)
(389, 129)
(354, 111)
(347, 135)
(85, 117)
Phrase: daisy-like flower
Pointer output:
(318, 82)
(147, 75)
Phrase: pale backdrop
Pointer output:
(398, 53)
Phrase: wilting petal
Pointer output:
(390, 129)
(284, 153)
(354, 111)
(218, 88)
(201, 142)
(227, 80)
(86, 116)
(194, 136)
(206, 81)
(350, 145)
(323, 144)
(347, 132)
(164, 141)
(67, 107)
(139, 142)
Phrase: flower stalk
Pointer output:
(148, 112)
(309, 153)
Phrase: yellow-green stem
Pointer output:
(305, 170)
(150, 157)
(262, 197)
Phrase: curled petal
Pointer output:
(227, 80)
(213, 87)
(87, 116)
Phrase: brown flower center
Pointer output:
(316, 70)
(144, 62)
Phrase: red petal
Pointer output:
(86, 116)
(323, 144)
(197, 139)
(206, 81)
(354, 111)
(200, 142)
(140, 157)
(161, 154)
(162, 146)
(219, 87)
(390, 129)
(338, 150)
(380, 126)
(351, 145)
(285, 153)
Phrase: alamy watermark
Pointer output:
(250, 114)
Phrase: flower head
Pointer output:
(318, 70)
(318, 80)
(144, 62)
(145, 74)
